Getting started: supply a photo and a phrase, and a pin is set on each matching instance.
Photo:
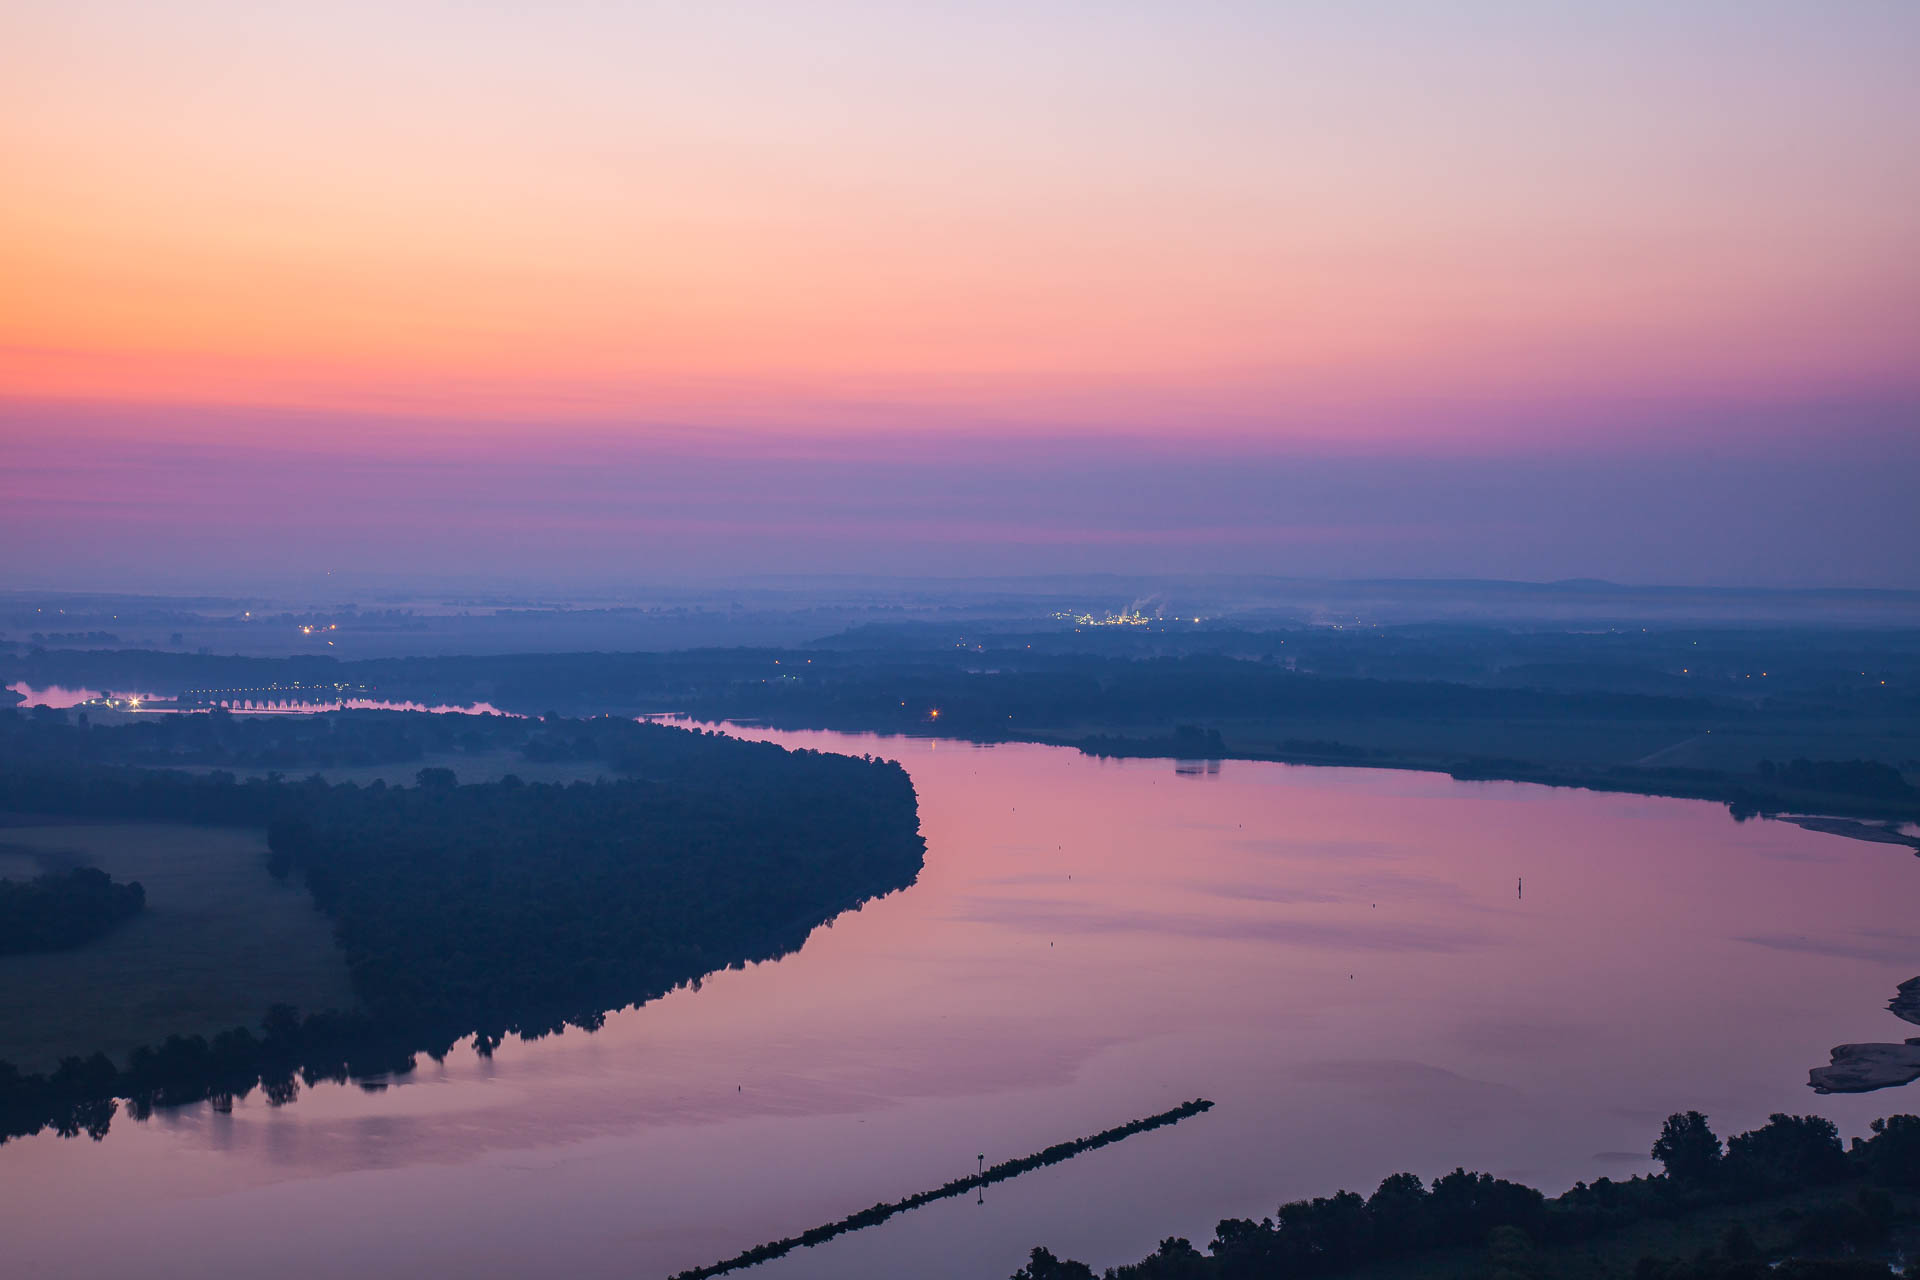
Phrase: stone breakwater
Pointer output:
(997, 1173)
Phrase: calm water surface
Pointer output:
(1340, 958)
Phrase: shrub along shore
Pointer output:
(1824, 1211)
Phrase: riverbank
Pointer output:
(1786, 1199)
(1746, 795)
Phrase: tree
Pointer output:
(1792, 1151)
(1399, 1212)
(1688, 1148)
(287, 839)
(1175, 1259)
(1892, 1155)
(64, 909)
(1042, 1265)
(282, 1026)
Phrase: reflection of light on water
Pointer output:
(58, 696)
(54, 695)
(364, 704)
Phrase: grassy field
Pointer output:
(219, 941)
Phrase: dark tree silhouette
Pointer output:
(1687, 1148)
(1789, 1151)
(63, 909)
(1515, 1227)
(1042, 1265)
(1892, 1155)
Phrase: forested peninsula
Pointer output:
(478, 910)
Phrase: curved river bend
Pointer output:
(1341, 959)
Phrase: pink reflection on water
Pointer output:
(1337, 957)
(64, 698)
(289, 706)
(54, 695)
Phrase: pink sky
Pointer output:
(434, 231)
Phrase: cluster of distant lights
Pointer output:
(112, 704)
(1131, 619)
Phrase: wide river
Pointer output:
(1346, 961)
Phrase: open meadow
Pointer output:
(219, 941)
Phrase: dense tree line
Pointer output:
(494, 900)
(1079, 690)
(63, 909)
(1799, 668)
(1405, 1217)
(1854, 777)
(42, 736)
(1187, 741)
(864, 687)
(291, 742)
(504, 907)
(1432, 696)
(84, 1094)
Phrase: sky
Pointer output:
(616, 292)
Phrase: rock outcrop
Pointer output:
(1907, 1003)
(1862, 1068)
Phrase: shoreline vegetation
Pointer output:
(484, 910)
(1829, 812)
(1805, 724)
(876, 1214)
(1786, 1200)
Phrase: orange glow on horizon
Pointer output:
(665, 218)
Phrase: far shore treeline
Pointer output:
(480, 910)
(1765, 720)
